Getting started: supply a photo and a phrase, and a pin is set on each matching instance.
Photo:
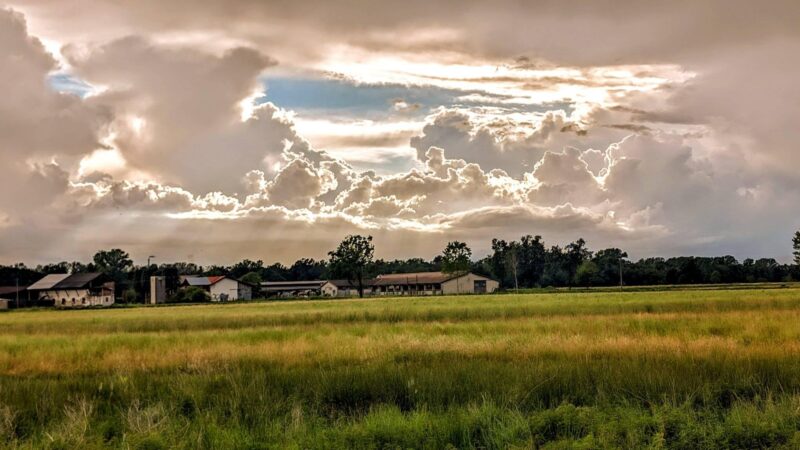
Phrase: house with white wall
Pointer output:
(220, 288)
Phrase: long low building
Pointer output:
(432, 283)
(419, 283)
(74, 291)
(311, 288)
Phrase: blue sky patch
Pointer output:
(66, 83)
(322, 96)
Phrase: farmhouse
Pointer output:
(74, 291)
(432, 283)
(221, 288)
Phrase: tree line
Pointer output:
(519, 264)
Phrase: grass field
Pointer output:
(678, 369)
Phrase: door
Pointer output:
(479, 287)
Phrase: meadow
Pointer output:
(675, 369)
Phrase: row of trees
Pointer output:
(524, 263)
(529, 263)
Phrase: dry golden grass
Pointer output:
(678, 369)
(749, 324)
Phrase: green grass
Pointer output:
(677, 369)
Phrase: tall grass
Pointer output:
(705, 369)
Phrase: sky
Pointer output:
(213, 131)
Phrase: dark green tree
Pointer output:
(307, 269)
(610, 263)
(116, 264)
(587, 274)
(253, 278)
(244, 267)
(352, 260)
(531, 257)
(456, 258)
(796, 248)
(512, 263)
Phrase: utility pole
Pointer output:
(146, 293)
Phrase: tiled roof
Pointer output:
(202, 281)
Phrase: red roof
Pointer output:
(214, 280)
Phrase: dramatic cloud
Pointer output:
(216, 131)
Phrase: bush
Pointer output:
(129, 296)
(191, 294)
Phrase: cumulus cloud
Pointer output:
(514, 143)
(619, 131)
(41, 131)
(177, 113)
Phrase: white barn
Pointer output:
(221, 288)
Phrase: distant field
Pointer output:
(677, 369)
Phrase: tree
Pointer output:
(244, 267)
(609, 264)
(556, 271)
(129, 296)
(586, 274)
(115, 263)
(352, 260)
(456, 259)
(796, 247)
(307, 269)
(512, 262)
(191, 294)
(576, 253)
(254, 279)
(112, 261)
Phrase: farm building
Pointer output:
(299, 288)
(74, 291)
(13, 296)
(432, 283)
(221, 288)
(420, 283)
(310, 288)
(344, 288)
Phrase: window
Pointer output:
(479, 286)
(73, 300)
(63, 301)
(83, 300)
